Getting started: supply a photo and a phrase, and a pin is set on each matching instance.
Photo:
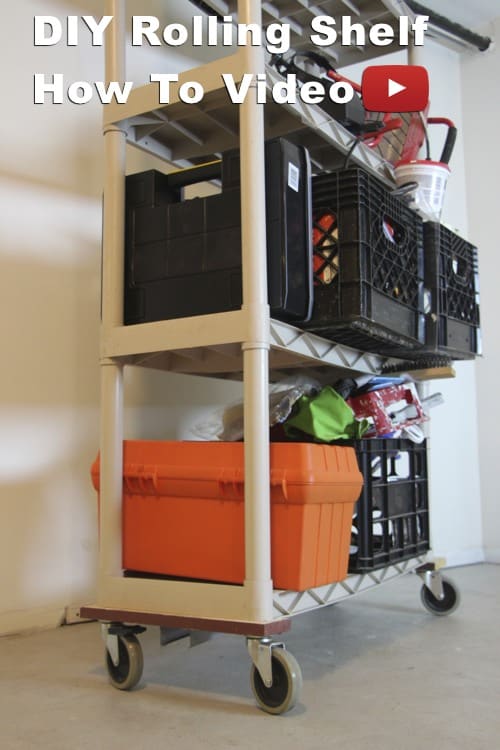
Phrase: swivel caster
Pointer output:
(276, 685)
(124, 659)
(444, 604)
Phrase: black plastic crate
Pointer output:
(391, 520)
(368, 263)
(183, 257)
(452, 293)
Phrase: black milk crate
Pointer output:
(452, 293)
(368, 264)
(391, 518)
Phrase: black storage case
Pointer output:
(183, 257)
(375, 300)
(452, 294)
(391, 520)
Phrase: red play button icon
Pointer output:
(395, 88)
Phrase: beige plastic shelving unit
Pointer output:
(245, 342)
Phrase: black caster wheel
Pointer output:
(444, 606)
(127, 673)
(287, 683)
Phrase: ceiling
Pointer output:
(472, 15)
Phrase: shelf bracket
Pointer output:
(260, 650)
(111, 643)
(432, 579)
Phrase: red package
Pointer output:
(389, 409)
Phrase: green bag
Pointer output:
(326, 417)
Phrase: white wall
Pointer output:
(481, 114)
(50, 226)
(456, 529)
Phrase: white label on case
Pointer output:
(293, 177)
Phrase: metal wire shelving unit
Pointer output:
(245, 343)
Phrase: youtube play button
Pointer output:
(395, 88)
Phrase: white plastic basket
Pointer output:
(430, 178)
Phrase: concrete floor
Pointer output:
(379, 672)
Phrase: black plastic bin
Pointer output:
(183, 257)
(391, 521)
(368, 261)
(452, 294)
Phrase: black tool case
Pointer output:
(183, 257)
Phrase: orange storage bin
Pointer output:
(183, 510)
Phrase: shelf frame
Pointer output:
(111, 424)
(291, 603)
(250, 326)
(243, 342)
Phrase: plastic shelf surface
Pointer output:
(210, 345)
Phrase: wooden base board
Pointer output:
(433, 373)
(234, 627)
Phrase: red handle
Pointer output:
(451, 136)
(441, 121)
(390, 124)
(342, 79)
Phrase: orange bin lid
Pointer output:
(300, 472)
